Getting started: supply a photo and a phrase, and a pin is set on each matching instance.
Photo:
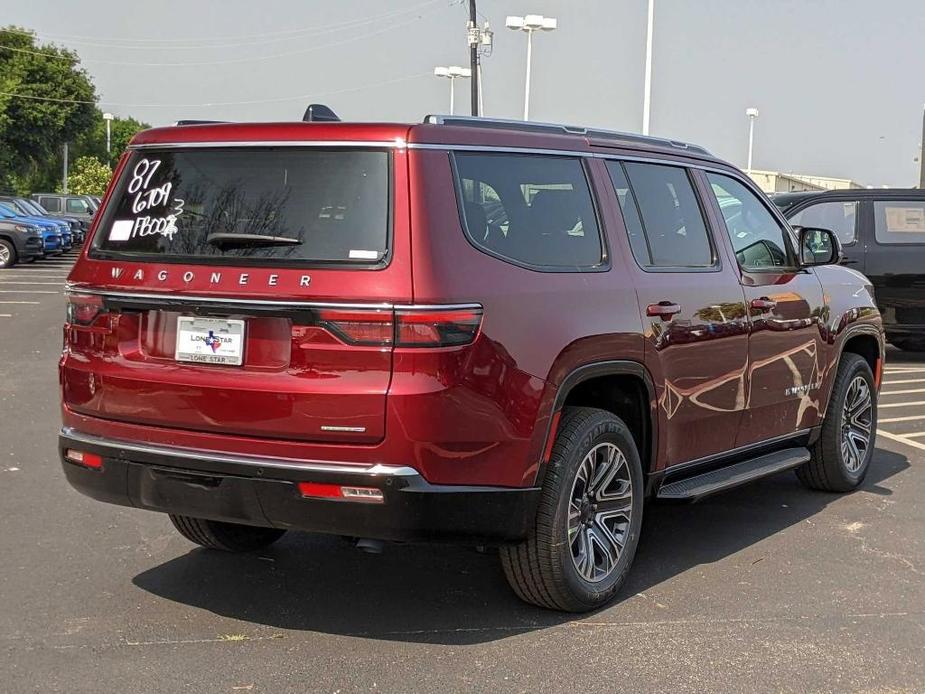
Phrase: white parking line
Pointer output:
(6, 315)
(901, 392)
(890, 372)
(26, 291)
(908, 380)
(901, 419)
(902, 404)
(34, 284)
(900, 439)
(21, 302)
(915, 434)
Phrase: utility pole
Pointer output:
(474, 39)
(922, 155)
(647, 87)
(64, 171)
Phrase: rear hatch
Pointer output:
(245, 289)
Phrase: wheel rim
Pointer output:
(857, 419)
(5, 255)
(600, 509)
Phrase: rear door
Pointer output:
(692, 307)
(786, 314)
(244, 290)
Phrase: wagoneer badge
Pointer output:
(241, 278)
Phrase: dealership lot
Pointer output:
(769, 587)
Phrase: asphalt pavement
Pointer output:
(770, 587)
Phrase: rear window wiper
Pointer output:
(224, 240)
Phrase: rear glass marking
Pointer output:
(363, 255)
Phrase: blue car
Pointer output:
(52, 231)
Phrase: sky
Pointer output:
(839, 84)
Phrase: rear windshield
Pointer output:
(258, 204)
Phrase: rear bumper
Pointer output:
(263, 492)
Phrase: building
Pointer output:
(780, 182)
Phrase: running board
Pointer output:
(698, 486)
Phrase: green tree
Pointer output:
(93, 141)
(89, 176)
(54, 104)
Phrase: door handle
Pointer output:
(663, 310)
(764, 304)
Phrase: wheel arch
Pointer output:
(622, 387)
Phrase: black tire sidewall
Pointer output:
(603, 428)
(852, 366)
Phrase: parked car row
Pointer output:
(44, 225)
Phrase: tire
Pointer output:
(543, 569)
(838, 463)
(7, 254)
(228, 537)
(909, 344)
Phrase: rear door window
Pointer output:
(899, 221)
(51, 204)
(839, 216)
(251, 205)
(77, 206)
(531, 210)
(661, 200)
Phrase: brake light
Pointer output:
(436, 327)
(361, 327)
(84, 309)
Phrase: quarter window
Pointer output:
(662, 216)
(899, 221)
(529, 209)
(758, 239)
(51, 204)
(838, 216)
(77, 206)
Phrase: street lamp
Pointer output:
(453, 72)
(108, 118)
(752, 114)
(647, 92)
(529, 24)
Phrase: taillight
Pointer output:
(436, 327)
(405, 327)
(361, 327)
(84, 309)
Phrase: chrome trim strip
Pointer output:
(248, 460)
(399, 144)
(72, 288)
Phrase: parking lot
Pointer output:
(767, 588)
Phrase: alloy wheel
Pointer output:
(599, 512)
(5, 256)
(857, 419)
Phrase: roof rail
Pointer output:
(559, 129)
(196, 121)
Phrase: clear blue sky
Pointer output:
(840, 84)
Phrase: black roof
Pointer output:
(785, 200)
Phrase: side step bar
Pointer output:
(698, 486)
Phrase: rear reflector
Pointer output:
(84, 309)
(90, 460)
(316, 490)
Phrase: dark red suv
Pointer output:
(465, 330)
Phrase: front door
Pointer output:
(786, 316)
(693, 311)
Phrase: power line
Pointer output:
(231, 61)
(301, 97)
(287, 35)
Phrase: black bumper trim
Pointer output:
(224, 490)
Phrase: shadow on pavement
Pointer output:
(455, 595)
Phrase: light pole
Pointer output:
(647, 92)
(108, 118)
(529, 24)
(752, 114)
(453, 72)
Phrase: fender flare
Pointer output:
(585, 372)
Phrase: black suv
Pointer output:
(882, 232)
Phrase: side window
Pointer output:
(529, 209)
(838, 216)
(77, 205)
(759, 241)
(51, 204)
(670, 217)
(899, 221)
(630, 213)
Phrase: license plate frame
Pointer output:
(214, 341)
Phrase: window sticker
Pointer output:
(905, 219)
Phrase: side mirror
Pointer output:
(819, 247)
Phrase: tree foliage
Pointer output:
(33, 129)
(93, 141)
(89, 176)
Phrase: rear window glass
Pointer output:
(899, 221)
(262, 204)
(838, 216)
(533, 210)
